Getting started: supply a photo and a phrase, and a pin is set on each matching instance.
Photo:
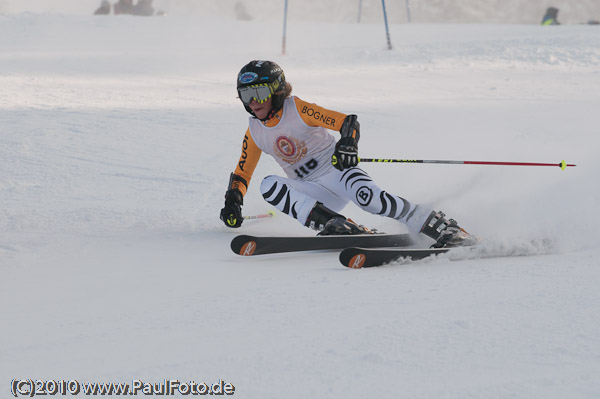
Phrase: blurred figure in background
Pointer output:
(241, 13)
(144, 8)
(551, 17)
(124, 7)
(104, 8)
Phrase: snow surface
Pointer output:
(117, 137)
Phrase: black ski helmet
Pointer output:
(260, 72)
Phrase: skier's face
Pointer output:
(261, 110)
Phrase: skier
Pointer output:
(104, 8)
(550, 17)
(241, 13)
(143, 8)
(322, 175)
(123, 7)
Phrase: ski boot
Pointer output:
(328, 223)
(446, 233)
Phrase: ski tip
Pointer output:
(243, 245)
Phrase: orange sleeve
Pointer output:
(314, 115)
(247, 163)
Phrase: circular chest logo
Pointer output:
(286, 146)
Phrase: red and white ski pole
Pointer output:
(269, 214)
(563, 165)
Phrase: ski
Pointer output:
(247, 245)
(357, 258)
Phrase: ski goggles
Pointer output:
(260, 93)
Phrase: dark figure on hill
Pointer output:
(104, 8)
(241, 13)
(124, 7)
(143, 8)
(551, 17)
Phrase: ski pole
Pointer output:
(269, 214)
(563, 165)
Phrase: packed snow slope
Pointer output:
(117, 137)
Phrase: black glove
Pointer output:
(346, 150)
(346, 153)
(231, 214)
